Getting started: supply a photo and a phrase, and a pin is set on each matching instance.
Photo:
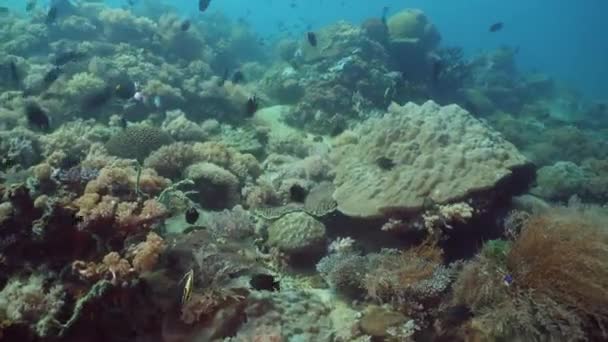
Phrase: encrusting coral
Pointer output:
(416, 153)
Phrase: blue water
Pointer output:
(559, 37)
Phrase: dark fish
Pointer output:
(385, 10)
(125, 88)
(317, 138)
(66, 57)
(385, 163)
(224, 78)
(50, 77)
(96, 98)
(496, 27)
(185, 25)
(123, 122)
(30, 5)
(13, 73)
(455, 315)
(437, 68)
(37, 117)
(203, 5)
(4, 10)
(312, 39)
(191, 215)
(297, 193)
(237, 77)
(262, 281)
(251, 106)
(51, 15)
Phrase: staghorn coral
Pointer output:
(137, 142)
(439, 153)
(550, 283)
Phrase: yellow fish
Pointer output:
(188, 280)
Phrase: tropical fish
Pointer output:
(385, 163)
(37, 117)
(30, 5)
(251, 106)
(50, 77)
(125, 88)
(297, 193)
(51, 15)
(13, 73)
(96, 98)
(203, 5)
(188, 280)
(4, 10)
(238, 77)
(385, 10)
(66, 57)
(185, 25)
(191, 215)
(496, 27)
(266, 282)
(312, 39)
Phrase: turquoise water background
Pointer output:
(567, 39)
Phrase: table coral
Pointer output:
(439, 153)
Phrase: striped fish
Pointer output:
(188, 280)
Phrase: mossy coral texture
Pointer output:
(137, 142)
(439, 153)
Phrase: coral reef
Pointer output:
(137, 142)
(549, 282)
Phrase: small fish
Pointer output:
(96, 98)
(185, 25)
(50, 77)
(66, 57)
(30, 5)
(237, 77)
(385, 163)
(188, 280)
(317, 138)
(507, 280)
(125, 88)
(203, 5)
(251, 107)
(191, 215)
(496, 27)
(13, 73)
(385, 10)
(266, 282)
(312, 39)
(123, 122)
(437, 69)
(37, 117)
(222, 80)
(51, 15)
(4, 10)
(297, 193)
(455, 315)
(157, 101)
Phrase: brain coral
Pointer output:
(414, 153)
(412, 25)
(137, 142)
